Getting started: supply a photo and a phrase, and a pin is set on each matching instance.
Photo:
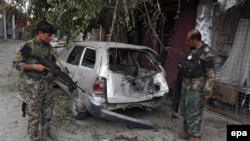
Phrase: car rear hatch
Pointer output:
(135, 75)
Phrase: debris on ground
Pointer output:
(126, 135)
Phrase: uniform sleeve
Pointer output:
(52, 54)
(210, 72)
(18, 60)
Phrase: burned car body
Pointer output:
(113, 76)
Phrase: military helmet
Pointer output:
(45, 27)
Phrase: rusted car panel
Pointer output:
(114, 76)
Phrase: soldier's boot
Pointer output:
(183, 135)
(193, 138)
(46, 136)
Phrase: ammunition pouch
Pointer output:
(37, 76)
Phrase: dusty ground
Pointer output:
(65, 128)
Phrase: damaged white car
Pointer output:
(113, 76)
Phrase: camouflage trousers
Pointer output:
(192, 105)
(40, 106)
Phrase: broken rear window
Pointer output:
(132, 61)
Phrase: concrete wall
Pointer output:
(2, 25)
(7, 26)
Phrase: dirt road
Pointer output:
(65, 128)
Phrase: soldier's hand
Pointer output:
(54, 78)
(206, 97)
(40, 68)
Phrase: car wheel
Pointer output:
(78, 110)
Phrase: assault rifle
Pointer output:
(177, 91)
(54, 69)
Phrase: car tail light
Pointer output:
(98, 86)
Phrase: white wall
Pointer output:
(204, 21)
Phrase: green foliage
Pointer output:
(1, 2)
(70, 17)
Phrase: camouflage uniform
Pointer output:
(193, 91)
(37, 88)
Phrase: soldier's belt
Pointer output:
(36, 77)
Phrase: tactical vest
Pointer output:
(37, 48)
(192, 66)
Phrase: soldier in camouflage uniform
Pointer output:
(37, 85)
(197, 83)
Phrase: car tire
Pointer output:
(75, 105)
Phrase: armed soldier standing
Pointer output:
(37, 85)
(197, 82)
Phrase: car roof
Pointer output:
(99, 44)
